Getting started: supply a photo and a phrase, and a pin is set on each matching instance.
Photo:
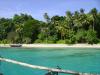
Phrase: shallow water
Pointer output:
(77, 59)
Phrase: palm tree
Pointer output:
(82, 11)
(19, 30)
(69, 18)
(46, 17)
(76, 19)
(94, 12)
(46, 28)
(83, 19)
(80, 19)
(61, 29)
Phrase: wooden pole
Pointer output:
(43, 68)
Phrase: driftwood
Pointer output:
(44, 68)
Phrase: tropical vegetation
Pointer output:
(77, 27)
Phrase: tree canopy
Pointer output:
(77, 27)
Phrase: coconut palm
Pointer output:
(93, 12)
(82, 11)
(46, 17)
(69, 18)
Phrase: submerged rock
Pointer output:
(1, 73)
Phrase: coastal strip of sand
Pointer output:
(54, 45)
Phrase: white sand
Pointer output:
(62, 45)
(56, 45)
(4, 45)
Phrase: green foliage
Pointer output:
(53, 38)
(5, 41)
(68, 41)
(41, 36)
(26, 40)
(71, 36)
(48, 41)
(79, 27)
(38, 41)
(61, 42)
(13, 37)
(91, 36)
(47, 18)
(81, 36)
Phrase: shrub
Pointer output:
(68, 41)
(38, 41)
(91, 37)
(5, 41)
(61, 42)
(27, 40)
(81, 36)
(50, 41)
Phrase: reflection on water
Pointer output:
(81, 54)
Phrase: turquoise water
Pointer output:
(77, 59)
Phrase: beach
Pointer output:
(54, 45)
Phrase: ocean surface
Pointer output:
(76, 59)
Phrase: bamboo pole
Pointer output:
(43, 68)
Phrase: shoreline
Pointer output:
(53, 45)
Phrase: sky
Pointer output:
(37, 8)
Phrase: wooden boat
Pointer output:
(16, 45)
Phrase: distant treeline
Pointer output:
(77, 27)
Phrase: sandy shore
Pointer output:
(55, 45)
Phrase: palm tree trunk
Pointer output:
(93, 24)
